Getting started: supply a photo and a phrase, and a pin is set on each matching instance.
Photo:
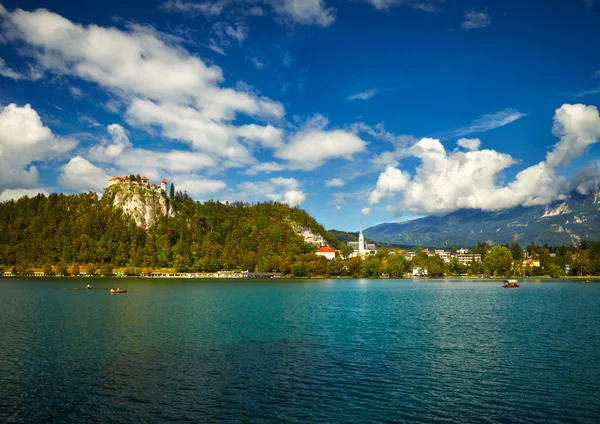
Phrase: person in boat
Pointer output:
(88, 287)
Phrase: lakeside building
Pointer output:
(461, 255)
(361, 248)
(534, 263)
(328, 252)
(419, 272)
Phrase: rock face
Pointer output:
(142, 204)
(309, 236)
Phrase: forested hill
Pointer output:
(210, 236)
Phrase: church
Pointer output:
(361, 248)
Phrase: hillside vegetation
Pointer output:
(210, 236)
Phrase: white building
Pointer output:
(328, 252)
(361, 248)
(419, 272)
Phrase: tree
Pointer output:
(498, 261)
(370, 268)
(47, 269)
(90, 269)
(299, 270)
(61, 269)
(75, 270)
(517, 251)
(396, 266)
(172, 192)
(345, 250)
(106, 270)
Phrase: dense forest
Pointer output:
(211, 236)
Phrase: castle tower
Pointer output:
(361, 242)
(163, 185)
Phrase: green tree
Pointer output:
(106, 270)
(370, 268)
(47, 269)
(396, 266)
(172, 192)
(345, 250)
(299, 270)
(517, 251)
(61, 269)
(90, 269)
(498, 261)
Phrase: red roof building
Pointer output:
(328, 252)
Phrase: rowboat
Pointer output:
(118, 291)
(510, 284)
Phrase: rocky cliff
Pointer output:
(142, 204)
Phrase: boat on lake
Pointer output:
(510, 284)
(118, 291)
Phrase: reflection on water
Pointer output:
(301, 351)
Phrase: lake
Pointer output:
(299, 351)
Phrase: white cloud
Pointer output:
(578, 127)
(198, 187)
(426, 5)
(80, 174)
(294, 198)
(268, 136)
(286, 190)
(8, 72)
(389, 182)
(446, 181)
(206, 8)
(160, 84)
(264, 167)
(490, 121)
(335, 182)
(364, 95)
(17, 193)
(23, 140)
(471, 144)
(365, 211)
(257, 63)
(476, 19)
(309, 149)
(338, 208)
(303, 12)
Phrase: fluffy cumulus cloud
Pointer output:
(162, 86)
(286, 190)
(23, 140)
(471, 144)
(335, 182)
(311, 148)
(80, 174)
(476, 19)
(389, 182)
(17, 193)
(449, 180)
(365, 211)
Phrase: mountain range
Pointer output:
(565, 222)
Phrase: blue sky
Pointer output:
(372, 110)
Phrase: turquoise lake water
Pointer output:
(301, 351)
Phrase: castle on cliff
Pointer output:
(141, 182)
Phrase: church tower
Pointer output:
(361, 242)
(163, 185)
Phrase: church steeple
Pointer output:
(361, 242)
